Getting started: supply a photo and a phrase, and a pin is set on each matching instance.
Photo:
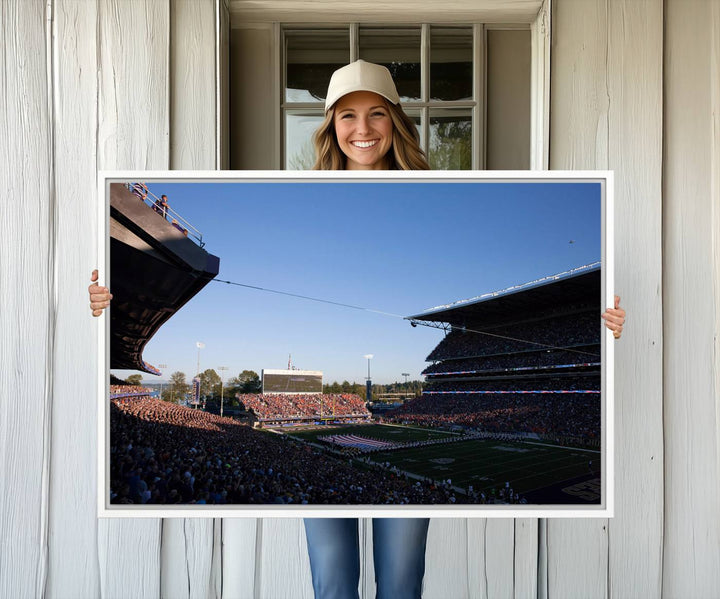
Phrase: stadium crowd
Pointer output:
(578, 381)
(527, 359)
(162, 453)
(305, 406)
(128, 392)
(547, 415)
(563, 331)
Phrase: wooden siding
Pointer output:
(74, 568)
(606, 113)
(692, 306)
(27, 316)
(107, 84)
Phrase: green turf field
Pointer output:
(373, 431)
(484, 464)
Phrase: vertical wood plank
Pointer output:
(222, 16)
(367, 562)
(187, 558)
(133, 126)
(26, 304)
(190, 566)
(477, 571)
(73, 569)
(192, 85)
(579, 98)
(577, 551)
(446, 559)
(491, 557)
(239, 558)
(133, 129)
(525, 571)
(635, 537)
(282, 565)
(607, 84)
(692, 396)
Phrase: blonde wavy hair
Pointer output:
(405, 153)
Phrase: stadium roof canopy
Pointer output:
(155, 270)
(578, 288)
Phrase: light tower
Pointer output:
(196, 397)
(368, 384)
(221, 369)
(406, 375)
(163, 367)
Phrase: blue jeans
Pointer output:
(398, 551)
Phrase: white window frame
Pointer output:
(476, 106)
(538, 20)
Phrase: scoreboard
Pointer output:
(292, 381)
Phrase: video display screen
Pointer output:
(292, 382)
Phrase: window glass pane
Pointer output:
(451, 55)
(299, 150)
(415, 116)
(399, 50)
(450, 139)
(311, 58)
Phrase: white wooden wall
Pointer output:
(635, 87)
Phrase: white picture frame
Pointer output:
(604, 509)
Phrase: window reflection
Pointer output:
(451, 54)
(311, 57)
(399, 51)
(299, 149)
(450, 144)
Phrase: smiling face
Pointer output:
(364, 130)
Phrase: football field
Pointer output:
(536, 468)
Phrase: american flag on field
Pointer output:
(358, 442)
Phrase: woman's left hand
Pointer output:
(615, 318)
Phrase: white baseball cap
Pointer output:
(361, 76)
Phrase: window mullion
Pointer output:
(479, 112)
(354, 41)
(425, 85)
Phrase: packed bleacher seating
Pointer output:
(549, 415)
(587, 380)
(162, 453)
(533, 359)
(560, 331)
(551, 392)
(283, 406)
(129, 391)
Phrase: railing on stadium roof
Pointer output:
(529, 284)
(141, 190)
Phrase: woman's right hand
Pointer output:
(99, 296)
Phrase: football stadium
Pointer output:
(510, 411)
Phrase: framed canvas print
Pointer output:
(342, 344)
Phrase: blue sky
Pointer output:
(395, 247)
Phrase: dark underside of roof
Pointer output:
(574, 294)
(154, 271)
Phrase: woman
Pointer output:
(365, 129)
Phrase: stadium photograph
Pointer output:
(299, 343)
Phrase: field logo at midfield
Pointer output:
(443, 460)
(358, 442)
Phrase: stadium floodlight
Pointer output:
(221, 369)
(199, 345)
(163, 366)
(368, 357)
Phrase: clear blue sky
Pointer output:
(395, 247)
